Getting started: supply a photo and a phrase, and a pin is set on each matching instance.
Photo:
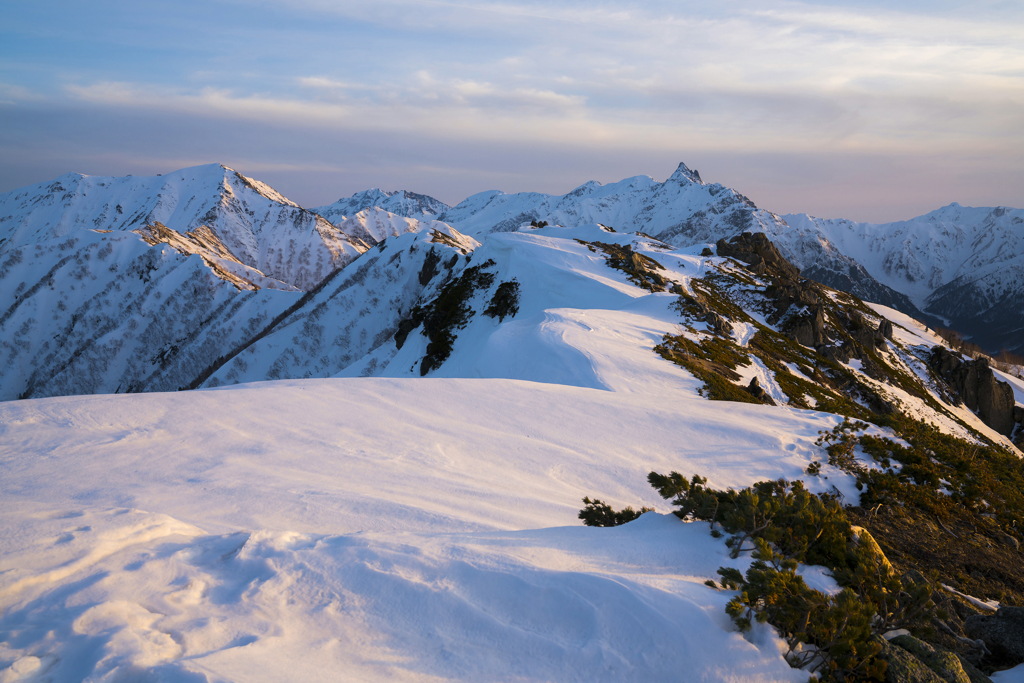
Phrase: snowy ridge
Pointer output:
(375, 224)
(682, 211)
(962, 264)
(353, 516)
(283, 537)
(262, 229)
(400, 202)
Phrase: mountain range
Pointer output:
(380, 473)
(148, 284)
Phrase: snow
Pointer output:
(267, 531)
(765, 377)
(371, 524)
(1014, 675)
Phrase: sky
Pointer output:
(873, 111)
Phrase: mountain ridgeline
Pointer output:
(204, 276)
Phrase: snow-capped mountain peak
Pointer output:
(398, 202)
(684, 172)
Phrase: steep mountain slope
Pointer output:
(962, 264)
(375, 224)
(260, 228)
(400, 202)
(104, 312)
(682, 211)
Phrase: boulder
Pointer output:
(903, 667)
(976, 385)
(885, 328)
(1003, 633)
(758, 392)
(755, 249)
(717, 323)
(945, 664)
(809, 329)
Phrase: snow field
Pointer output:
(284, 538)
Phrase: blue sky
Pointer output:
(871, 111)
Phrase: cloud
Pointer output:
(658, 79)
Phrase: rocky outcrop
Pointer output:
(757, 251)
(976, 385)
(809, 329)
(903, 667)
(944, 664)
(1003, 633)
(757, 391)
(717, 323)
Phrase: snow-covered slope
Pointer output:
(259, 227)
(104, 312)
(374, 524)
(367, 530)
(400, 203)
(683, 211)
(374, 225)
(962, 264)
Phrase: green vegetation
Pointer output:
(641, 270)
(934, 508)
(444, 315)
(783, 524)
(599, 513)
(505, 301)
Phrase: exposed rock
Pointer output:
(1003, 633)
(792, 293)
(809, 329)
(707, 252)
(903, 667)
(429, 269)
(758, 392)
(839, 354)
(945, 664)
(977, 386)
(755, 249)
(865, 334)
(973, 672)
(1018, 415)
(717, 323)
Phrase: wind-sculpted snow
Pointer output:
(416, 530)
(400, 203)
(262, 229)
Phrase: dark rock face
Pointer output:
(1002, 632)
(809, 330)
(839, 354)
(756, 249)
(758, 392)
(977, 386)
(885, 328)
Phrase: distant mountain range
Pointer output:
(153, 284)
